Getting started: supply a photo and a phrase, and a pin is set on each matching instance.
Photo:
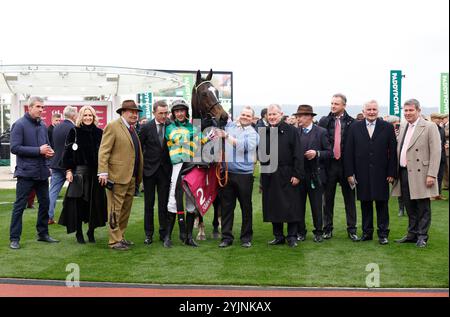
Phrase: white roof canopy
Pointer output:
(83, 80)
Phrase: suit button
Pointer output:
(418, 170)
(417, 150)
(417, 160)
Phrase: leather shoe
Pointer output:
(224, 244)
(167, 243)
(292, 243)
(191, 243)
(14, 245)
(327, 235)
(47, 239)
(277, 241)
(148, 240)
(318, 238)
(421, 243)
(301, 237)
(127, 242)
(247, 244)
(383, 241)
(119, 247)
(406, 239)
(353, 237)
(366, 237)
(51, 221)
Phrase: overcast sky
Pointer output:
(287, 52)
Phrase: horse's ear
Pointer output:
(199, 77)
(209, 75)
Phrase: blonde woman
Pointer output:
(85, 199)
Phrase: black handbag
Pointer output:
(75, 189)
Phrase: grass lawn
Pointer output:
(337, 262)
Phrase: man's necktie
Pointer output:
(406, 140)
(305, 130)
(337, 140)
(370, 129)
(161, 133)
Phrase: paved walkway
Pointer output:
(6, 178)
(51, 288)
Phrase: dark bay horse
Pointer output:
(206, 107)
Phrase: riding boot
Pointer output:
(182, 226)
(170, 224)
(190, 218)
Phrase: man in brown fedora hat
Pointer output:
(120, 166)
(316, 150)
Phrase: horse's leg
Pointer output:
(201, 229)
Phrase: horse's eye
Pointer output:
(204, 94)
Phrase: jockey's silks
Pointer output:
(183, 140)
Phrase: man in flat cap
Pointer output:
(120, 164)
(437, 118)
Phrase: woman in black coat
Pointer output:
(85, 199)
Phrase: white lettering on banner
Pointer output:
(395, 94)
(445, 93)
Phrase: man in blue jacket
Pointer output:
(29, 141)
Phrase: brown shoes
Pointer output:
(119, 246)
(51, 221)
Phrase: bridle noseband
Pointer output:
(199, 98)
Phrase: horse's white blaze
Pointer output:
(213, 90)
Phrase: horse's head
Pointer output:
(205, 100)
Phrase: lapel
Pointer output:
(421, 124)
(379, 126)
(311, 137)
(154, 130)
(125, 130)
(363, 129)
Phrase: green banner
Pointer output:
(395, 93)
(145, 101)
(444, 93)
(188, 81)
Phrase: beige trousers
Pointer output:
(120, 200)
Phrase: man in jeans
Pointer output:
(29, 141)
(241, 141)
(58, 173)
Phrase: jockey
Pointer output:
(182, 140)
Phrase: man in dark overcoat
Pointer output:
(316, 149)
(280, 177)
(370, 164)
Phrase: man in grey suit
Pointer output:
(419, 155)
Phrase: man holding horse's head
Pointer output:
(241, 141)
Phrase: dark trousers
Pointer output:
(419, 210)
(335, 176)
(291, 230)
(440, 176)
(382, 210)
(159, 181)
(23, 188)
(315, 201)
(239, 187)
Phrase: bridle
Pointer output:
(210, 107)
(221, 180)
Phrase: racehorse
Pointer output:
(206, 107)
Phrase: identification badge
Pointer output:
(74, 146)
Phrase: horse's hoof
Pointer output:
(215, 235)
(201, 237)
